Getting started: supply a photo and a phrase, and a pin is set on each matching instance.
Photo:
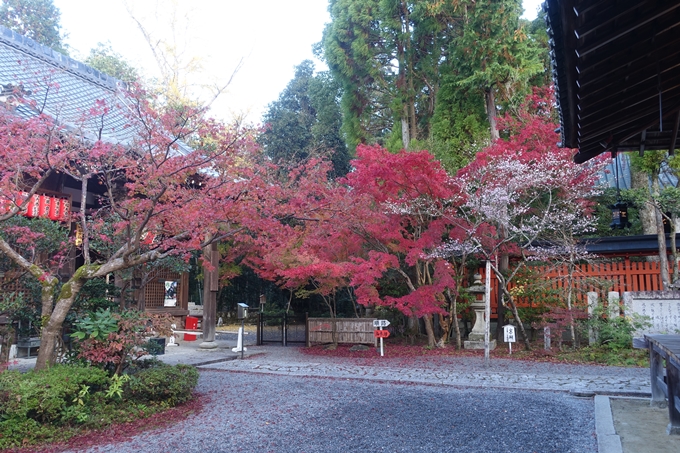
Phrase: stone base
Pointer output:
(476, 336)
(474, 344)
(208, 345)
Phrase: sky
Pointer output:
(251, 45)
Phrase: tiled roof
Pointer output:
(65, 89)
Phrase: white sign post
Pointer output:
(380, 323)
(509, 335)
(487, 312)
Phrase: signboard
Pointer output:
(509, 333)
(381, 333)
(380, 323)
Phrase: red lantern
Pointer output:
(33, 206)
(44, 205)
(65, 210)
(55, 205)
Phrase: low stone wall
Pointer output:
(662, 308)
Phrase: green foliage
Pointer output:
(606, 356)
(97, 326)
(615, 332)
(305, 121)
(113, 340)
(56, 403)
(96, 295)
(36, 19)
(26, 431)
(635, 198)
(44, 396)
(11, 303)
(493, 50)
(459, 124)
(116, 387)
(533, 295)
(106, 60)
(169, 385)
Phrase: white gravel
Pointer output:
(250, 412)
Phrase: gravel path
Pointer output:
(276, 413)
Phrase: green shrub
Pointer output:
(18, 432)
(56, 403)
(47, 395)
(165, 384)
(113, 340)
(615, 332)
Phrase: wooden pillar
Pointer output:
(656, 376)
(210, 288)
(673, 383)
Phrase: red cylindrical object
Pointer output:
(55, 205)
(191, 323)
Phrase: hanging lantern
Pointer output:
(55, 205)
(33, 206)
(619, 216)
(44, 205)
(65, 210)
(79, 235)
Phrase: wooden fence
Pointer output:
(600, 277)
(348, 330)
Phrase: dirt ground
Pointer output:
(638, 436)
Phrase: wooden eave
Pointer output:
(616, 67)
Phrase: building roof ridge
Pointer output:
(52, 57)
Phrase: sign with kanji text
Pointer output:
(380, 323)
(509, 333)
(381, 333)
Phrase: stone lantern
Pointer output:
(476, 338)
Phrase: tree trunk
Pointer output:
(570, 291)
(446, 328)
(513, 307)
(456, 325)
(405, 137)
(429, 329)
(51, 328)
(660, 236)
(504, 268)
(663, 252)
(640, 180)
(674, 248)
(491, 113)
(210, 290)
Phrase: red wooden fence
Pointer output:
(600, 277)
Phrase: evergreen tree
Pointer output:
(494, 54)
(36, 19)
(386, 55)
(105, 59)
(305, 121)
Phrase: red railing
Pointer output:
(600, 277)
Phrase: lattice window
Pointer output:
(154, 292)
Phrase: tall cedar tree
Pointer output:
(35, 19)
(386, 55)
(305, 122)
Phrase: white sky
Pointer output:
(271, 36)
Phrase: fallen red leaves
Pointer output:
(400, 351)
